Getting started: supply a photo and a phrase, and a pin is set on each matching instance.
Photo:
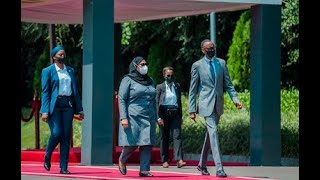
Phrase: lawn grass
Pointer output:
(28, 134)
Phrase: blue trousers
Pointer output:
(145, 155)
(60, 124)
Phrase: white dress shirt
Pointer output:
(64, 81)
(171, 96)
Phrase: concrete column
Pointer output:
(265, 139)
(98, 77)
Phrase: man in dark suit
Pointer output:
(168, 99)
(210, 78)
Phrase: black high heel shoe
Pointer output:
(47, 163)
(123, 171)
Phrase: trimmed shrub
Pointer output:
(234, 127)
(238, 54)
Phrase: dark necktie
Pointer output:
(212, 70)
(170, 85)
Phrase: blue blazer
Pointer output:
(50, 89)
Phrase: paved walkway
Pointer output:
(35, 171)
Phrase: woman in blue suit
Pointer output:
(60, 101)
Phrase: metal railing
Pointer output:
(35, 112)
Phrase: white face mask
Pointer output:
(143, 70)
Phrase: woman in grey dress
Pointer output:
(138, 116)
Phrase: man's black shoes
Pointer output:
(147, 174)
(221, 173)
(47, 163)
(204, 171)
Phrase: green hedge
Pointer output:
(234, 127)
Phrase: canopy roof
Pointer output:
(71, 11)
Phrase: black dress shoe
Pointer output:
(47, 163)
(204, 171)
(148, 174)
(64, 171)
(123, 171)
(221, 173)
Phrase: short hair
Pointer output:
(204, 41)
(167, 68)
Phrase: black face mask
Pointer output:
(61, 59)
(211, 53)
(169, 79)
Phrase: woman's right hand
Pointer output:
(193, 116)
(124, 123)
(44, 117)
(160, 122)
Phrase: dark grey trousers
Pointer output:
(171, 124)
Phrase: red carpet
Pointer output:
(75, 157)
(100, 172)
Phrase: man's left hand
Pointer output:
(81, 115)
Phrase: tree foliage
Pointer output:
(33, 41)
(70, 37)
(35, 53)
(172, 41)
(290, 43)
(42, 62)
(175, 42)
(238, 55)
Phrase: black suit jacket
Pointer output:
(161, 94)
